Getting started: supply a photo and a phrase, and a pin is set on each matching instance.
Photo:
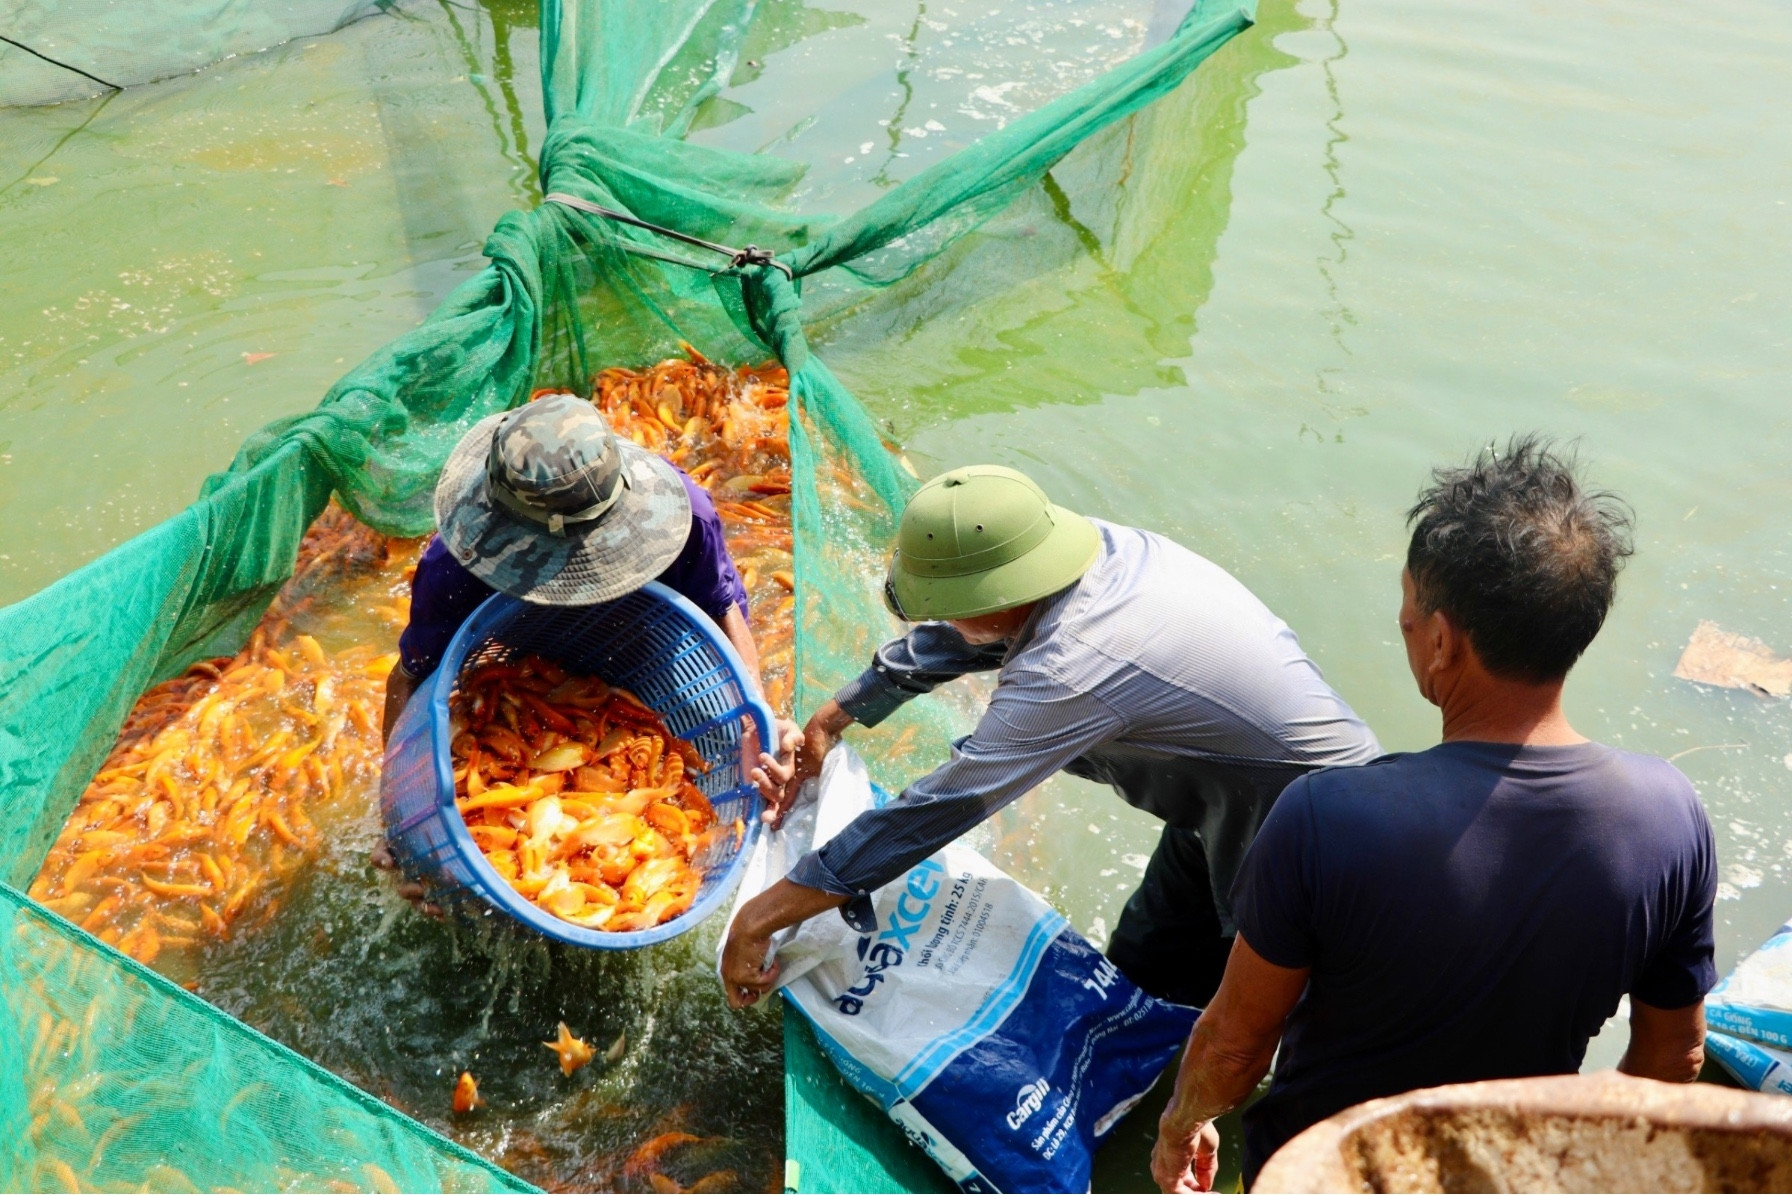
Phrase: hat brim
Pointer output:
(1058, 560)
(631, 545)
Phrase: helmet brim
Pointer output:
(1058, 560)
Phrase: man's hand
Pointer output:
(774, 772)
(411, 890)
(746, 974)
(817, 738)
(1185, 1162)
(1229, 1052)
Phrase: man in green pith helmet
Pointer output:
(1120, 656)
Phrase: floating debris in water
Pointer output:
(1718, 657)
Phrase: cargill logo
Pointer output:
(1028, 1101)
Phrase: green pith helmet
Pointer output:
(984, 538)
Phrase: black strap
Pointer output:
(53, 62)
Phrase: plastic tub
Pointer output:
(1597, 1132)
(652, 642)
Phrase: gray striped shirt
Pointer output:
(1156, 663)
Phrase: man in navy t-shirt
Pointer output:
(1478, 910)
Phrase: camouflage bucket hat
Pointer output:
(545, 503)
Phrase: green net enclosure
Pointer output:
(72, 49)
(111, 1076)
(117, 1080)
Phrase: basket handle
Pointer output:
(767, 722)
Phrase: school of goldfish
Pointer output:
(578, 795)
(205, 804)
(214, 793)
(730, 430)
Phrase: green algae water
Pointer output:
(189, 259)
(1364, 239)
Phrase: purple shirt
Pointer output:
(443, 593)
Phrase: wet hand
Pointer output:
(1185, 1162)
(745, 975)
(817, 739)
(774, 773)
(411, 890)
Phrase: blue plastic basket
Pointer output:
(652, 642)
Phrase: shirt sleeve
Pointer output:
(1032, 728)
(704, 571)
(1273, 898)
(1683, 969)
(931, 654)
(443, 595)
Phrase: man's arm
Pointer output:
(1667, 1001)
(745, 974)
(1229, 1052)
(774, 761)
(1033, 727)
(1665, 1043)
(740, 637)
(400, 684)
(931, 654)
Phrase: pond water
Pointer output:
(1366, 239)
(189, 259)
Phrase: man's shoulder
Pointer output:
(1650, 769)
(702, 505)
(1347, 782)
(1643, 783)
(1181, 594)
(1125, 540)
(437, 567)
(1653, 786)
(1379, 790)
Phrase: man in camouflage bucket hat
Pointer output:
(546, 504)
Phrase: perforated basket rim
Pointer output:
(492, 616)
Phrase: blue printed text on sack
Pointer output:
(892, 945)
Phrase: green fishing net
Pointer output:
(113, 1077)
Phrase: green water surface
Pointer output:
(189, 259)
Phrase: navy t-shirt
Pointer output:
(443, 593)
(1474, 911)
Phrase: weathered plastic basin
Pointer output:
(1601, 1132)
